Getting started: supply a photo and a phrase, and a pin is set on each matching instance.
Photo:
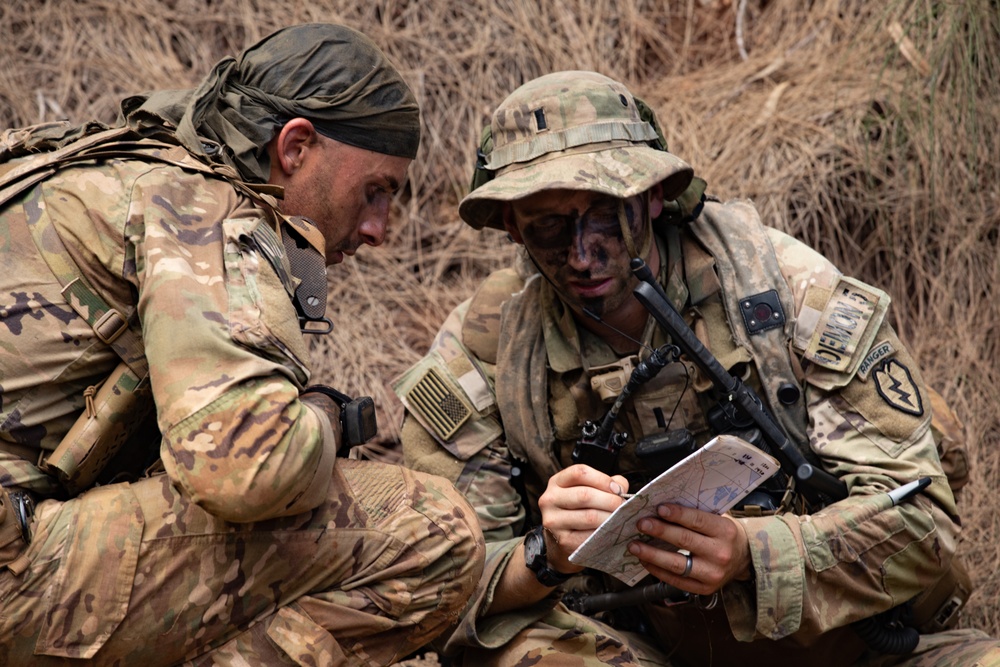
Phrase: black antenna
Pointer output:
(816, 483)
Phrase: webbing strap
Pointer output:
(113, 328)
(46, 160)
(747, 264)
(119, 330)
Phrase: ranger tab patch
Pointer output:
(895, 385)
(879, 352)
(846, 325)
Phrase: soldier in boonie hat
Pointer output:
(518, 377)
(575, 131)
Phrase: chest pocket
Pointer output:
(681, 389)
(261, 314)
(668, 401)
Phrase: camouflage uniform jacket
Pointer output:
(510, 376)
(226, 358)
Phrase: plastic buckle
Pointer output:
(110, 326)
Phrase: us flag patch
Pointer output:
(441, 408)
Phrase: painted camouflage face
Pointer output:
(576, 240)
(571, 131)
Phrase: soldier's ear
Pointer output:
(655, 201)
(291, 143)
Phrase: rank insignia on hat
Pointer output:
(441, 408)
(895, 385)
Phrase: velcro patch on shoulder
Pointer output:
(880, 351)
(847, 325)
(891, 402)
(896, 386)
(443, 409)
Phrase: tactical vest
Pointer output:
(746, 266)
(520, 353)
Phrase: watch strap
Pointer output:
(536, 560)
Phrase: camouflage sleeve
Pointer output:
(451, 429)
(226, 358)
(869, 425)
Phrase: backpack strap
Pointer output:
(117, 407)
(118, 330)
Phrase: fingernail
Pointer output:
(616, 488)
(663, 511)
(645, 525)
(633, 549)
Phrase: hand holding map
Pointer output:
(713, 479)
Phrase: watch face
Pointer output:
(534, 549)
(535, 559)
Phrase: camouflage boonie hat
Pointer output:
(572, 131)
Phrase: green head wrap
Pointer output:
(329, 74)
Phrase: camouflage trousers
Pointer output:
(565, 639)
(134, 574)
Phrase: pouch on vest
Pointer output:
(116, 411)
(937, 608)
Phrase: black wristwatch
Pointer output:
(537, 561)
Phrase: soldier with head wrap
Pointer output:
(168, 266)
(507, 401)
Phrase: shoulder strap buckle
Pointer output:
(110, 326)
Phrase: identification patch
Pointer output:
(847, 325)
(440, 407)
(879, 352)
(895, 385)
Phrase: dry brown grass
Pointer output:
(871, 130)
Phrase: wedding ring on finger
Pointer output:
(687, 565)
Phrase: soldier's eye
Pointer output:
(550, 232)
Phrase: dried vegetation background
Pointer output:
(869, 129)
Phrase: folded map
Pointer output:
(714, 478)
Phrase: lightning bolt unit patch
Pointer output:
(896, 387)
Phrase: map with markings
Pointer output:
(714, 479)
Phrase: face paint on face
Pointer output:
(558, 232)
(575, 239)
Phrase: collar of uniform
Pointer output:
(562, 338)
(699, 277)
(567, 345)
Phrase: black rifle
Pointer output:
(818, 486)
